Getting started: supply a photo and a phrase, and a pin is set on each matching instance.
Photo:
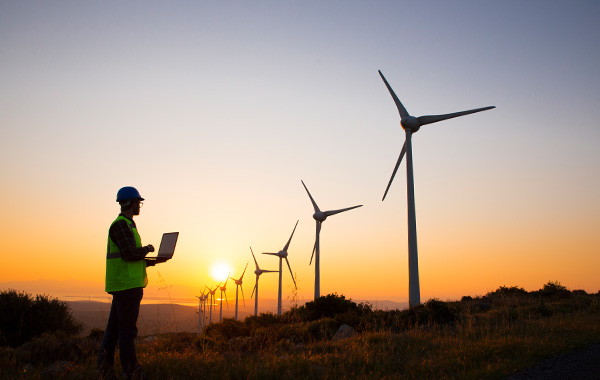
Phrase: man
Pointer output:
(125, 280)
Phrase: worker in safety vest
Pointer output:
(125, 280)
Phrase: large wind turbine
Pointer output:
(320, 217)
(258, 272)
(223, 291)
(411, 124)
(238, 285)
(283, 254)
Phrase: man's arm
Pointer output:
(122, 236)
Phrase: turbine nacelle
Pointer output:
(319, 216)
(280, 254)
(411, 123)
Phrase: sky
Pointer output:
(215, 112)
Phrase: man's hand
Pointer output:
(150, 263)
(150, 248)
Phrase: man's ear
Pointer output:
(126, 205)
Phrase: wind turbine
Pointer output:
(320, 217)
(238, 284)
(223, 291)
(201, 299)
(283, 254)
(411, 124)
(258, 272)
(212, 300)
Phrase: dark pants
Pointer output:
(121, 327)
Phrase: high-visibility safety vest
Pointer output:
(121, 274)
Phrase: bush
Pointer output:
(261, 320)
(24, 317)
(229, 328)
(51, 347)
(554, 289)
(508, 291)
(328, 306)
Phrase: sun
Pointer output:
(220, 271)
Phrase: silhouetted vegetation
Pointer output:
(24, 317)
(488, 336)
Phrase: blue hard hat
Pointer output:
(128, 192)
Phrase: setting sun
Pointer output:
(220, 271)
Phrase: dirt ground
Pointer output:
(581, 364)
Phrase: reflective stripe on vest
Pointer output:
(122, 274)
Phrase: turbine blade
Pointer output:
(402, 152)
(269, 253)
(244, 271)
(253, 289)
(403, 112)
(311, 198)
(255, 262)
(316, 240)
(288, 243)
(288, 263)
(435, 118)
(318, 237)
(333, 212)
(243, 298)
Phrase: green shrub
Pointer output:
(96, 334)
(229, 328)
(51, 347)
(327, 306)
(261, 320)
(508, 291)
(554, 289)
(24, 317)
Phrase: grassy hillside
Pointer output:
(486, 337)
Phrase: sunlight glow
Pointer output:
(220, 271)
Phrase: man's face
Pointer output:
(136, 207)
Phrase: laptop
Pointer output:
(167, 247)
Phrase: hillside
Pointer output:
(156, 318)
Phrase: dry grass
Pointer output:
(490, 338)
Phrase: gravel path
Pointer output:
(581, 364)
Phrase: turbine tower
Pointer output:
(223, 291)
(320, 217)
(238, 286)
(258, 272)
(212, 300)
(283, 254)
(411, 124)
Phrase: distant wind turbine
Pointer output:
(258, 272)
(283, 254)
(212, 300)
(411, 124)
(223, 291)
(201, 310)
(238, 285)
(320, 217)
